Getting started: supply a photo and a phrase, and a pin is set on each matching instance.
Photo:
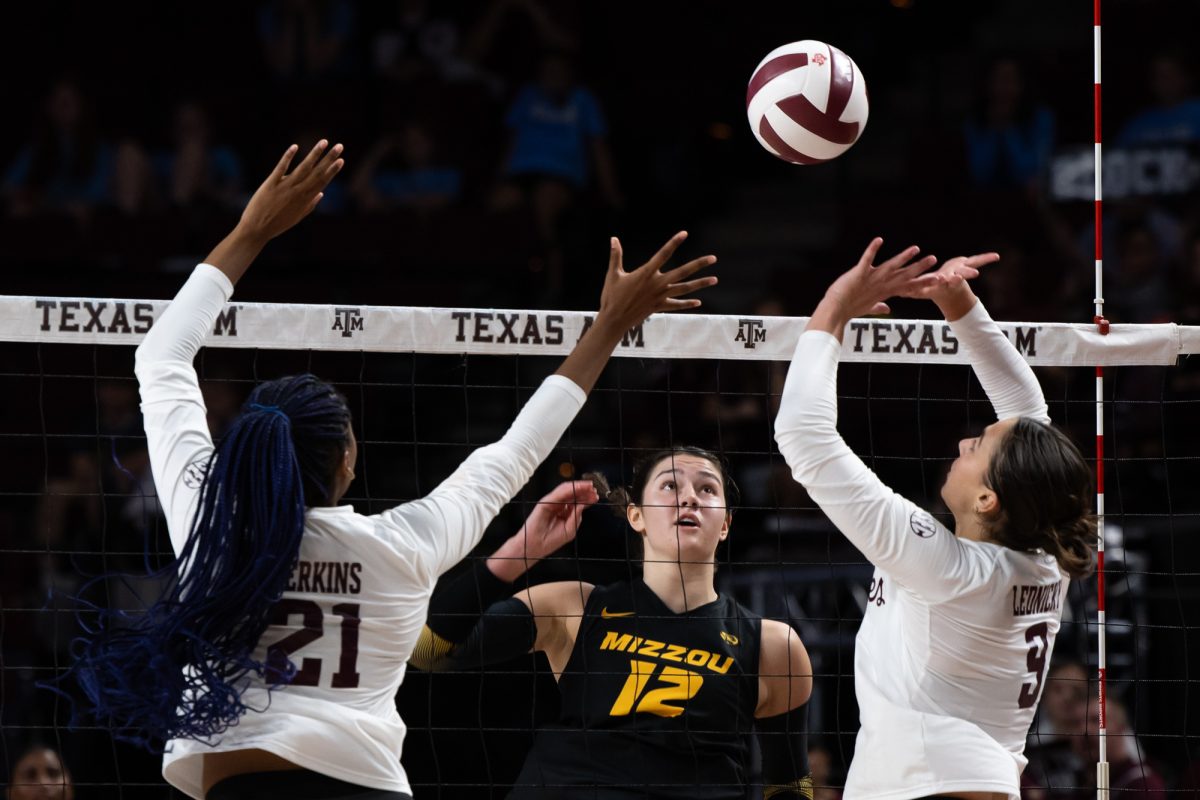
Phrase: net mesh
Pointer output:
(78, 500)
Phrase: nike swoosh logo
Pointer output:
(606, 614)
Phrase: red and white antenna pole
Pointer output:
(1102, 782)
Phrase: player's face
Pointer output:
(683, 512)
(40, 775)
(966, 482)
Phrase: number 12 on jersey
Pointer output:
(675, 684)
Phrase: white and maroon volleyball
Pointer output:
(807, 102)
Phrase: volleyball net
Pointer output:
(427, 385)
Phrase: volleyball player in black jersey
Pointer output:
(663, 679)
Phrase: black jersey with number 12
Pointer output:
(654, 703)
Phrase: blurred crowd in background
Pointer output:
(492, 147)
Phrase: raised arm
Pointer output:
(177, 434)
(441, 529)
(892, 532)
(475, 619)
(1008, 380)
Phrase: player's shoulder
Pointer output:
(617, 594)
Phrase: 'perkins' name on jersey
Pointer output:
(1036, 599)
(326, 577)
(694, 656)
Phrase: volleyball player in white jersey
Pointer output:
(950, 660)
(270, 668)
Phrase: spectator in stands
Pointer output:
(1187, 283)
(1009, 137)
(1139, 292)
(1142, 230)
(509, 31)
(40, 774)
(1129, 770)
(415, 42)
(65, 167)
(196, 171)
(1054, 752)
(402, 171)
(1063, 712)
(558, 144)
(307, 39)
(1175, 116)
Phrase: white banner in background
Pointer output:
(277, 326)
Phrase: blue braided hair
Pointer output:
(178, 670)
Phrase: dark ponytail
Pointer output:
(179, 669)
(1044, 489)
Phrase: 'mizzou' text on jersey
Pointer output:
(326, 577)
(693, 656)
(1036, 599)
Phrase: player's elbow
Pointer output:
(803, 446)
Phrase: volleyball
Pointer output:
(807, 102)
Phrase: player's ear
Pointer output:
(633, 513)
(348, 464)
(987, 504)
(726, 525)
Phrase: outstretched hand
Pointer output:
(552, 524)
(629, 297)
(950, 291)
(864, 288)
(285, 198)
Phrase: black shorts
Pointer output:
(295, 784)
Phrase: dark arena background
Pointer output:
(133, 133)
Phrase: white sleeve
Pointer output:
(442, 527)
(1009, 382)
(173, 409)
(895, 534)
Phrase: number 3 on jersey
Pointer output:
(313, 619)
(681, 685)
(1035, 661)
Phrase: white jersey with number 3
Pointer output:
(951, 656)
(359, 594)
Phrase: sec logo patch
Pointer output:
(922, 524)
(193, 473)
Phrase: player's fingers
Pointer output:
(327, 172)
(680, 272)
(314, 202)
(687, 287)
(868, 256)
(665, 252)
(673, 304)
(880, 308)
(918, 267)
(982, 259)
(284, 161)
(569, 492)
(304, 167)
(900, 259)
(615, 255)
(321, 173)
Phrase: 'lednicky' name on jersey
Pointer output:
(326, 577)
(1036, 599)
